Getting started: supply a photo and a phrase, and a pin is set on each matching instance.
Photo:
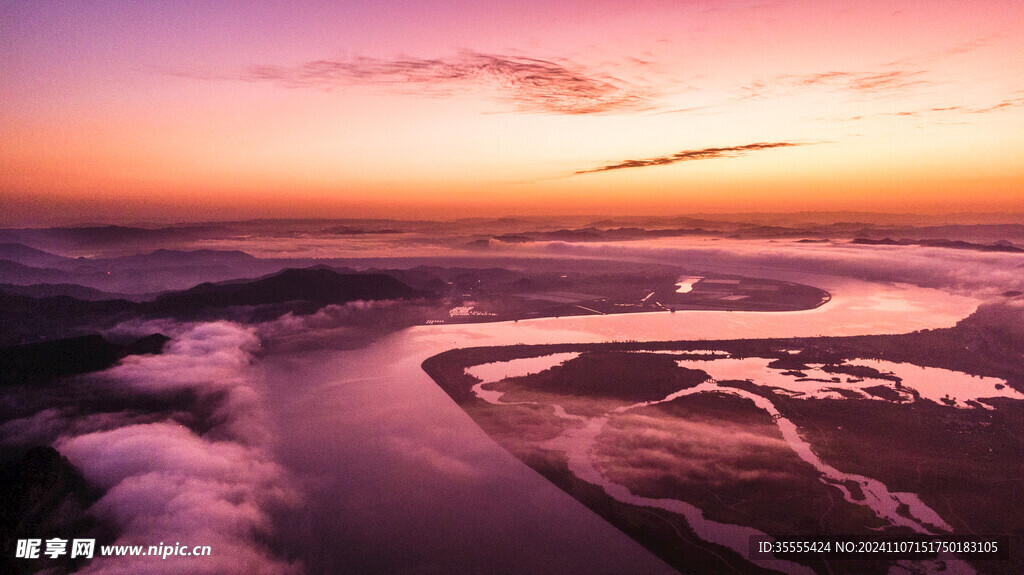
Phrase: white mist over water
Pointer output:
(166, 483)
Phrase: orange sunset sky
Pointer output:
(176, 111)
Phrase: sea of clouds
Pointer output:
(211, 483)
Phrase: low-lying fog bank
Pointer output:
(180, 444)
(977, 273)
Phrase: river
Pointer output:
(398, 479)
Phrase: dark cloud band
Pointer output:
(691, 155)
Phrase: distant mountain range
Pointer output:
(1001, 246)
(28, 256)
(17, 273)
(350, 231)
(318, 286)
(86, 236)
(71, 290)
(149, 272)
(27, 318)
(964, 237)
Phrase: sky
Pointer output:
(185, 111)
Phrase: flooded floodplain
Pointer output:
(751, 441)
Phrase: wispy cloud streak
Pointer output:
(864, 83)
(532, 85)
(1004, 105)
(934, 113)
(691, 155)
